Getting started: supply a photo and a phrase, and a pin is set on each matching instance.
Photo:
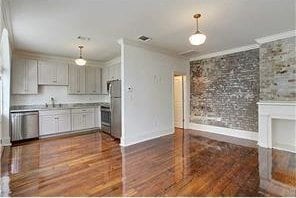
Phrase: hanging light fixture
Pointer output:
(197, 38)
(80, 61)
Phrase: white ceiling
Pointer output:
(51, 26)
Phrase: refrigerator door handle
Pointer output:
(109, 89)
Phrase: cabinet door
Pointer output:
(118, 72)
(62, 74)
(47, 73)
(98, 80)
(105, 79)
(90, 84)
(81, 80)
(77, 121)
(76, 80)
(48, 124)
(112, 72)
(73, 80)
(52, 73)
(24, 76)
(89, 120)
(31, 77)
(98, 117)
(64, 122)
(18, 76)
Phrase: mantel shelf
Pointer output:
(278, 103)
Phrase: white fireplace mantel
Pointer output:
(269, 110)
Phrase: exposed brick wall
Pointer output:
(224, 90)
(278, 70)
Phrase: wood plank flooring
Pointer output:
(183, 164)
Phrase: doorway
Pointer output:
(179, 101)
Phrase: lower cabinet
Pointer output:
(47, 125)
(98, 117)
(58, 121)
(54, 121)
(83, 118)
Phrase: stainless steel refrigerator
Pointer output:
(115, 107)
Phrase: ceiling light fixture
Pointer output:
(197, 38)
(80, 61)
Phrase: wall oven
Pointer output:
(106, 119)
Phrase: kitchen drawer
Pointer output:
(84, 110)
(54, 112)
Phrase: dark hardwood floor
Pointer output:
(183, 164)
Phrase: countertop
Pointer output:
(24, 108)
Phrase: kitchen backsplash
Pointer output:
(59, 93)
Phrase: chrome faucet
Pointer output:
(52, 102)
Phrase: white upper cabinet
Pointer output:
(105, 79)
(76, 80)
(52, 73)
(24, 76)
(93, 80)
(109, 73)
(118, 72)
(84, 80)
(98, 80)
(90, 83)
(114, 72)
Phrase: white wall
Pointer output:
(1, 29)
(6, 69)
(59, 93)
(147, 109)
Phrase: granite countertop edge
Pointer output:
(24, 108)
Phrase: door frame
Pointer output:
(184, 98)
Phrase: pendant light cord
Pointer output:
(80, 47)
(197, 16)
(197, 25)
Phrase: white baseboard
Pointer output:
(249, 135)
(6, 142)
(287, 147)
(67, 133)
(146, 137)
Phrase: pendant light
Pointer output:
(197, 38)
(80, 61)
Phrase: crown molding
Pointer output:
(124, 41)
(275, 37)
(225, 52)
(45, 57)
(113, 61)
(5, 8)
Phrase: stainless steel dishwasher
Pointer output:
(24, 125)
